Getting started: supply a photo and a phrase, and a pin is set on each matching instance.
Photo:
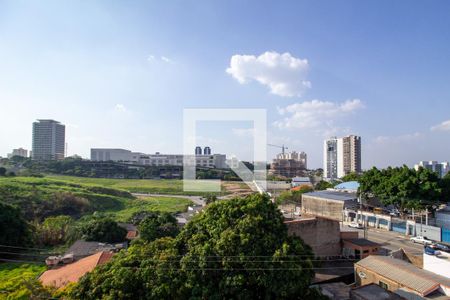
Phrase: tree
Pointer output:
(14, 230)
(54, 230)
(351, 177)
(234, 249)
(323, 185)
(402, 187)
(210, 198)
(103, 230)
(2, 171)
(156, 226)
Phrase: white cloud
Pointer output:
(166, 59)
(120, 108)
(316, 113)
(444, 126)
(382, 139)
(284, 74)
(152, 58)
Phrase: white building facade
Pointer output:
(157, 159)
(18, 152)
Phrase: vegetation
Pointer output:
(236, 248)
(54, 230)
(14, 230)
(151, 204)
(323, 185)
(156, 226)
(403, 187)
(147, 186)
(103, 230)
(293, 196)
(39, 198)
(18, 281)
(351, 177)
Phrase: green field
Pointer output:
(149, 186)
(42, 197)
(153, 204)
(13, 276)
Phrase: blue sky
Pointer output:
(120, 73)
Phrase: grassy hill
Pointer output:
(149, 186)
(39, 198)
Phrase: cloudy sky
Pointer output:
(120, 73)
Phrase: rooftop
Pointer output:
(301, 179)
(349, 185)
(83, 248)
(362, 242)
(333, 195)
(374, 292)
(406, 274)
(72, 272)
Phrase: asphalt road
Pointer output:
(391, 240)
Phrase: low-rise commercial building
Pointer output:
(359, 248)
(394, 275)
(301, 181)
(329, 204)
(321, 234)
(157, 159)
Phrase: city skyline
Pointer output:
(120, 75)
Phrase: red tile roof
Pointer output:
(63, 275)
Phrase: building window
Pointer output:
(384, 285)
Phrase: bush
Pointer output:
(104, 230)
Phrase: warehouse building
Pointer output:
(329, 204)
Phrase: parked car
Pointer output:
(432, 251)
(355, 225)
(441, 247)
(421, 240)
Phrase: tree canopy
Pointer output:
(234, 249)
(14, 230)
(155, 226)
(103, 230)
(402, 187)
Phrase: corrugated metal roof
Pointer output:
(406, 274)
(333, 195)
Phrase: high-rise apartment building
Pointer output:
(49, 139)
(330, 158)
(18, 152)
(342, 156)
(440, 168)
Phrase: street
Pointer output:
(389, 240)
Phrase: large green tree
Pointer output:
(14, 230)
(103, 229)
(234, 249)
(156, 226)
(402, 187)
